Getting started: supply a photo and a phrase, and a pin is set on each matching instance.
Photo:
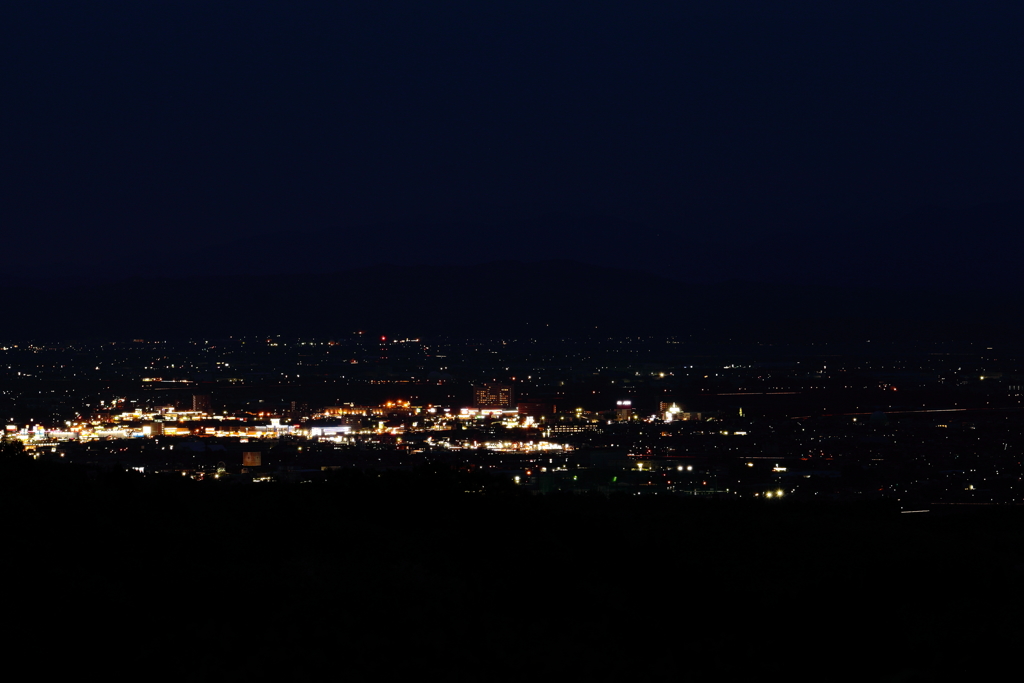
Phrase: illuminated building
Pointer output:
(201, 403)
(536, 409)
(153, 428)
(494, 396)
(390, 408)
(298, 410)
(673, 411)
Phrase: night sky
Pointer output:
(861, 142)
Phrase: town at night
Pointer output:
(512, 341)
(903, 423)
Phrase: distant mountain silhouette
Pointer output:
(501, 298)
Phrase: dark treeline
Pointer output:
(375, 575)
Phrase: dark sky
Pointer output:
(798, 141)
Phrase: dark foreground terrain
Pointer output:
(408, 577)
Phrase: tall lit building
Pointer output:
(494, 396)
